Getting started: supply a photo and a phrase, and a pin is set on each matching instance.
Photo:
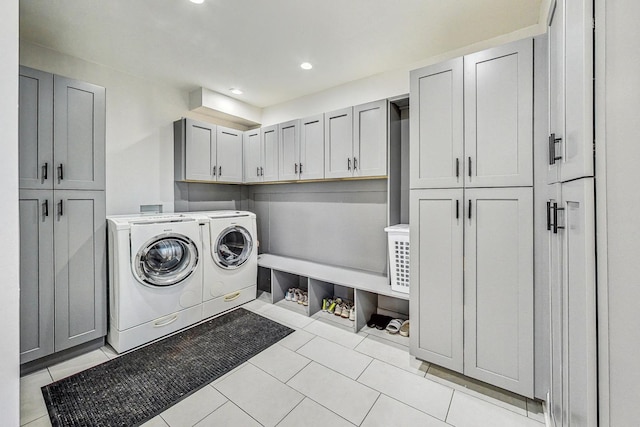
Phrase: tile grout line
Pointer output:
(369, 411)
(449, 407)
(233, 403)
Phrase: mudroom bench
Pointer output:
(325, 281)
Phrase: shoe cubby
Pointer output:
(371, 293)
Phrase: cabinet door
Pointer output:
(436, 305)
(498, 102)
(312, 147)
(36, 274)
(370, 139)
(252, 153)
(577, 147)
(200, 151)
(229, 154)
(80, 267)
(338, 143)
(554, 280)
(269, 136)
(578, 273)
(35, 129)
(498, 282)
(79, 135)
(556, 92)
(289, 151)
(437, 130)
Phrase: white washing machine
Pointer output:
(155, 277)
(230, 259)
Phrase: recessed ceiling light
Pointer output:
(235, 91)
(306, 66)
(197, 1)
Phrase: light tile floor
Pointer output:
(320, 375)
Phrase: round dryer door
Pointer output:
(233, 247)
(166, 260)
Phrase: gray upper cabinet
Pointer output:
(436, 298)
(301, 149)
(79, 135)
(200, 151)
(36, 274)
(338, 143)
(498, 283)
(252, 156)
(571, 91)
(437, 129)
(62, 132)
(80, 267)
(289, 150)
(36, 129)
(312, 147)
(229, 155)
(269, 141)
(498, 102)
(206, 152)
(370, 139)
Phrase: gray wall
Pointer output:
(618, 204)
(339, 223)
(189, 196)
(9, 233)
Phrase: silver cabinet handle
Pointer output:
(457, 167)
(300, 168)
(469, 208)
(469, 167)
(257, 170)
(355, 163)
(349, 163)
(60, 208)
(60, 172)
(45, 207)
(215, 168)
(261, 171)
(296, 168)
(219, 170)
(457, 209)
(45, 170)
(556, 227)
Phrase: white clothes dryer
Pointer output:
(231, 259)
(155, 280)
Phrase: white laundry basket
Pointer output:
(399, 256)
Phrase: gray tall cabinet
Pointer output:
(62, 213)
(570, 213)
(471, 215)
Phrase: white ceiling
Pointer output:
(257, 45)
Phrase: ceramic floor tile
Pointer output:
(280, 362)
(389, 412)
(40, 422)
(259, 394)
(257, 305)
(231, 372)
(77, 364)
(310, 414)
(535, 410)
(395, 338)
(334, 334)
(392, 353)
(344, 396)
(296, 340)
(484, 391)
(348, 362)
(32, 404)
(194, 408)
(467, 410)
(286, 317)
(420, 393)
(228, 415)
(155, 422)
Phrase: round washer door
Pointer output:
(166, 260)
(233, 247)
